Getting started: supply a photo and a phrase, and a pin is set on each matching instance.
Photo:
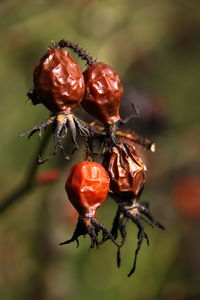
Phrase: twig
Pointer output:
(29, 182)
(146, 143)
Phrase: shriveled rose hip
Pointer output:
(127, 178)
(59, 85)
(58, 81)
(103, 93)
(127, 172)
(87, 187)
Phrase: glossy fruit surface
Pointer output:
(58, 81)
(87, 187)
(126, 170)
(103, 93)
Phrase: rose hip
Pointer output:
(127, 178)
(103, 93)
(87, 187)
(58, 81)
(59, 85)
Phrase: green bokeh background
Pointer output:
(154, 46)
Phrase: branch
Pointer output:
(29, 181)
(146, 143)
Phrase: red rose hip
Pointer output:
(87, 187)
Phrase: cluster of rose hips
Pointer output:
(60, 85)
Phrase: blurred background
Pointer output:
(154, 45)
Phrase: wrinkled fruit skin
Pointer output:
(58, 81)
(103, 93)
(125, 182)
(87, 187)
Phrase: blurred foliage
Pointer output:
(154, 46)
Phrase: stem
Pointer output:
(146, 143)
(29, 182)
(81, 52)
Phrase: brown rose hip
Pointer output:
(58, 81)
(59, 85)
(127, 178)
(127, 172)
(103, 93)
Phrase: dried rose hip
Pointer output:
(127, 178)
(59, 85)
(87, 187)
(127, 172)
(103, 93)
(58, 81)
